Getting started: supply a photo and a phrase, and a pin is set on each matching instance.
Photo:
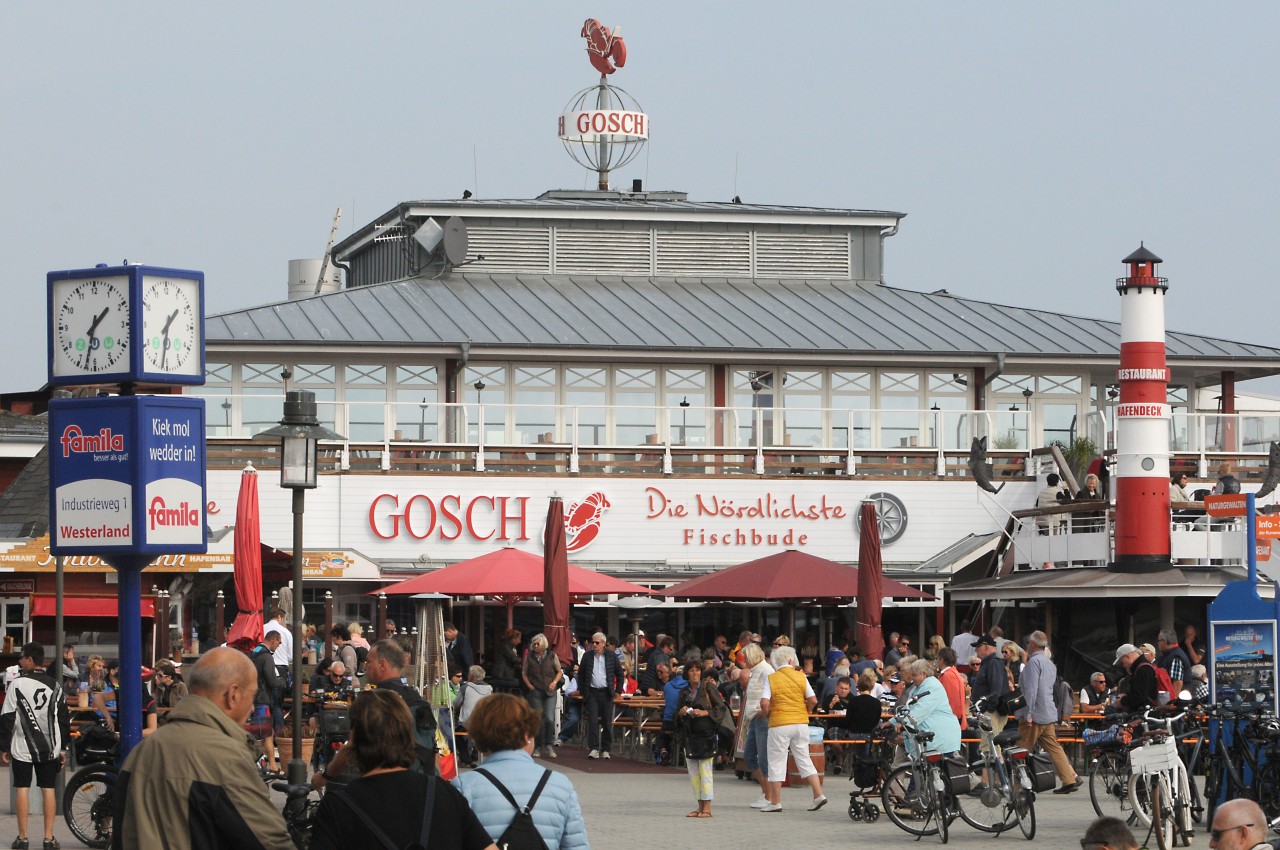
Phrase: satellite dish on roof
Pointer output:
(455, 241)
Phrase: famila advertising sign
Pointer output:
(127, 475)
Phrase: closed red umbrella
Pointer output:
(555, 577)
(248, 561)
(869, 633)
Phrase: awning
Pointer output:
(84, 606)
(959, 556)
(1098, 583)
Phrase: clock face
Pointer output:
(91, 325)
(171, 325)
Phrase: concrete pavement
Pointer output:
(647, 810)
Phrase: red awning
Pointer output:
(84, 606)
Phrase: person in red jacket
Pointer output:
(954, 684)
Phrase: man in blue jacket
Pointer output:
(1039, 720)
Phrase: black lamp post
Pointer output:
(299, 432)
(684, 420)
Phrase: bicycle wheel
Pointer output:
(1268, 784)
(1109, 785)
(1182, 807)
(86, 805)
(908, 803)
(1213, 779)
(1161, 815)
(988, 809)
(1024, 802)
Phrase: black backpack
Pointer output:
(96, 744)
(521, 833)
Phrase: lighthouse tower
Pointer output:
(1142, 421)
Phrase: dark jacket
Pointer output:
(424, 722)
(460, 654)
(34, 725)
(1142, 687)
(270, 682)
(612, 672)
(193, 783)
(700, 732)
(991, 680)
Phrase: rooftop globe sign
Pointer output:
(603, 127)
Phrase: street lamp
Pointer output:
(422, 419)
(299, 432)
(684, 419)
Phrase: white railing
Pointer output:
(839, 431)
(1081, 542)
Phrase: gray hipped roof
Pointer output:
(687, 314)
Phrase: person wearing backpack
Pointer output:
(391, 807)
(522, 805)
(1142, 690)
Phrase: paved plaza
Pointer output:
(646, 805)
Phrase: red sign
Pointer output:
(1156, 411)
(1269, 527)
(1226, 505)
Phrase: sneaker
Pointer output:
(771, 807)
(818, 802)
(537, 753)
(52, 844)
(20, 844)
(559, 743)
(550, 753)
(604, 754)
(761, 803)
(837, 769)
(594, 754)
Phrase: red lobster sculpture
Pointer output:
(582, 521)
(605, 49)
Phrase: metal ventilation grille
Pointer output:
(704, 254)
(620, 252)
(510, 249)
(797, 255)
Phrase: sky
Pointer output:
(1032, 146)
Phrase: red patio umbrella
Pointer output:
(555, 578)
(248, 561)
(509, 576)
(869, 633)
(789, 575)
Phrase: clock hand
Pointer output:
(164, 356)
(93, 335)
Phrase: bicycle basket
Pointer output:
(335, 722)
(96, 744)
(1154, 757)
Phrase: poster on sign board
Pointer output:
(1243, 661)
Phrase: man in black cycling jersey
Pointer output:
(1141, 693)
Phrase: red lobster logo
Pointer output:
(582, 521)
(603, 46)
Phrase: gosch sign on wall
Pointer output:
(593, 124)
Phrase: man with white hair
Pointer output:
(599, 680)
(1038, 721)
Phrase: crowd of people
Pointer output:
(756, 695)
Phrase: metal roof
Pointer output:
(1098, 583)
(691, 314)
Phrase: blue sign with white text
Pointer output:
(127, 475)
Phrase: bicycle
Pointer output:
(917, 796)
(1159, 789)
(1005, 796)
(299, 812)
(1228, 764)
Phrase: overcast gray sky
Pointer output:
(1032, 145)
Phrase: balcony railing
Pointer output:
(431, 436)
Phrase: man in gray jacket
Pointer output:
(1038, 721)
(194, 783)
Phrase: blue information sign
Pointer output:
(127, 476)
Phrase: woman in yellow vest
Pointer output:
(787, 700)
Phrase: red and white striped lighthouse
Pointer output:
(1142, 421)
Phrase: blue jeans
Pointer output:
(755, 750)
(572, 716)
(545, 704)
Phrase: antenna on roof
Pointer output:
(328, 252)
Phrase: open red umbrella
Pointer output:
(869, 634)
(248, 561)
(555, 578)
(789, 575)
(509, 576)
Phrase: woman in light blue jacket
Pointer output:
(930, 710)
(503, 728)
